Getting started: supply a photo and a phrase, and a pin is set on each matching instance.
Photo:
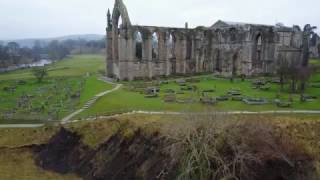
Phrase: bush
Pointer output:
(40, 73)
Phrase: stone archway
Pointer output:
(155, 46)
(138, 45)
(119, 12)
(257, 50)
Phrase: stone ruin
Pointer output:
(227, 48)
(315, 46)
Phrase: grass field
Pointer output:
(59, 94)
(78, 65)
(125, 100)
(70, 84)
(315, 61)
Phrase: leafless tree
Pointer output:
(308, 31)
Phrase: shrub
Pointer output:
(40, 73)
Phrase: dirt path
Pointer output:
(20, 125)
(68, 118)
(90, 103)
(205, 113)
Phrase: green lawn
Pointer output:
(78, 65)
(55, 97)
(315, 61)
(92, 87)
(125, 100)
(70, 84)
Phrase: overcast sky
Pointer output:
(51, 18)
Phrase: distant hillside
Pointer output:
(44, 41)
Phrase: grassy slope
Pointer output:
(125, 100)
(78, 65)
(67, 74)
(19, 164)
(92, 87)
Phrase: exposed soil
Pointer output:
(145, 157)
(138, 157)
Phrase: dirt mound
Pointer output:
(140, 156)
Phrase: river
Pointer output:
(40, 63)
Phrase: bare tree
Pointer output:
(282, 70)
(308, 31)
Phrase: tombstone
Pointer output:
(265, 88)
(169, 91)
(170, 98)
(151, 96)
(180, 92)
(255, 101)
(193, 80)
(181, 82)
(308, 98)
(222, 98)
(209, 91)
(185, 100)
(282, 104)
(208, 100)
(236, 98)
(76, 95)
(234, 92)
(259, 82)
(187, 88)
(163, 82)
(152, 90)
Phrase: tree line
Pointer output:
(12, 54)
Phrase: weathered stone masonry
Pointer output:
(225, 48)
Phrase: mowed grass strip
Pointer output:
(92, 87)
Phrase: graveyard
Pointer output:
(69, 85)
(203, 92)
(72, 82)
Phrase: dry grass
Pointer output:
(237, 147)
(25, 136)
(99, 131)
(211, 147)
(19, 164)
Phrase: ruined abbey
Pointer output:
(226, 48)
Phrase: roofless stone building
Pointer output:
(226, 47)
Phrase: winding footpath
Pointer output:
(90, 103)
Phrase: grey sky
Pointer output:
(51, 18)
